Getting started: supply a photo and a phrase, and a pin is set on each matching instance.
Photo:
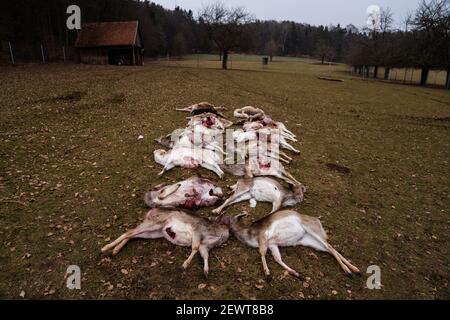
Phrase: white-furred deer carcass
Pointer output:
(179, 228)
(267, 122)
(192, 193)
(266, 190)
(264, 134)
(283, 229)
(192, 138)
(258, 167)
(189, 158)
(249, 113)
(210, 121)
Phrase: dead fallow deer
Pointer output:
(247, 144)
(210, 121)
(282, 229)
(191, 139)
(202, 107)
(266, 190)
(249, 113)
(259, 167)
(178, 228)
(264, 134)
(192, 193)
(267, 122)
(189, 158)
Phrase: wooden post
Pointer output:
(11, 53)
(134, 57)
(64, 54)
(424, 76)
(412, 74)
(42, 53)
(447, 80)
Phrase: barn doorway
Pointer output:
(120, 57)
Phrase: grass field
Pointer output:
(73, 174)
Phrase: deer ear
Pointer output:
(168, 191)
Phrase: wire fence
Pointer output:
(403, 75)
(17, 53)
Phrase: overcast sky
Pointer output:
(315, 12)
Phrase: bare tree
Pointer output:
(408, 20)
(432, 23)
(271, 49)
(386, 20)
(325, 51)
(226, 27)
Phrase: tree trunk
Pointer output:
(375, 72)
(225, 60)
(271, 58)
(424, 76)
(360, 70)
(323, 59)
(387, 70)
(447, 80)
(366, 71)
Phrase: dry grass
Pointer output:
(73, 173)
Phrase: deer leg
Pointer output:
(349, 265)
(167, 167)
(289, 147)
(277, 256)
(289, 176)
(238, 196)
(195, 247)
(204, 253)
(144, 230)
(262, 253)
(143, 235)
(285, 155)
(278, 157)
(213, 167)
(337, 256)
(276, 205)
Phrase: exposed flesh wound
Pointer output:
(171, 233)
(264, 165)
(208, 122)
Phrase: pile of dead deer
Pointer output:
(258, 161)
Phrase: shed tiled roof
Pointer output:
(100, 34)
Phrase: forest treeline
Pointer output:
(424, 42)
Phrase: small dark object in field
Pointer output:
(117, 98)
(330, 79)
(72, 96)
(338, 168)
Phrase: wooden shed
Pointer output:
(118, 43)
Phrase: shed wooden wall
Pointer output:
(93, 55)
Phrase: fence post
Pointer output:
(11, 53)
(42, 53)
(64, 54)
